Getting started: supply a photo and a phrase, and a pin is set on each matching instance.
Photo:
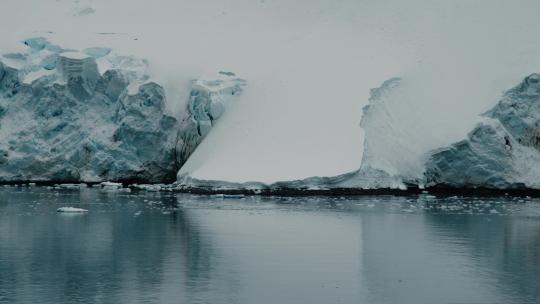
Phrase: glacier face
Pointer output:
(61, 119)
(503, 151)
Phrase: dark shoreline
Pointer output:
(441, 190)
(437, 191)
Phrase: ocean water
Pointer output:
(150, 247)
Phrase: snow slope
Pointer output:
(454, 58)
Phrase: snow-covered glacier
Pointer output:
(93, 115)
(390, 127)
(502, 151)
(295, 125)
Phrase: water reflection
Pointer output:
(166, 248)
(504, 249)
(110, 255)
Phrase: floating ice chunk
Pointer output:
(150, 188)
(71, 210)
(71, 186)
(110, 186)
(229, 196)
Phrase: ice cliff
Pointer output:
(93, 115)
(502, 151)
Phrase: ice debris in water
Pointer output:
(71, 186)
(71, 210)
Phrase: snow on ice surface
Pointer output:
(75, 55)
(310, 65)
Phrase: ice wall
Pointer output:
(64, 120)
(502, 151)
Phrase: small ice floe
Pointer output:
(229, 195)
(110, 186)
(71, 210)
(148, 187)
(70, 186)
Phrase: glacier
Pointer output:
(379, 168)
(93, 115)
(309, 76)
(502, 151)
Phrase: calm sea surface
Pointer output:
(148, 247)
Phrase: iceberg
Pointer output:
(71, 210)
